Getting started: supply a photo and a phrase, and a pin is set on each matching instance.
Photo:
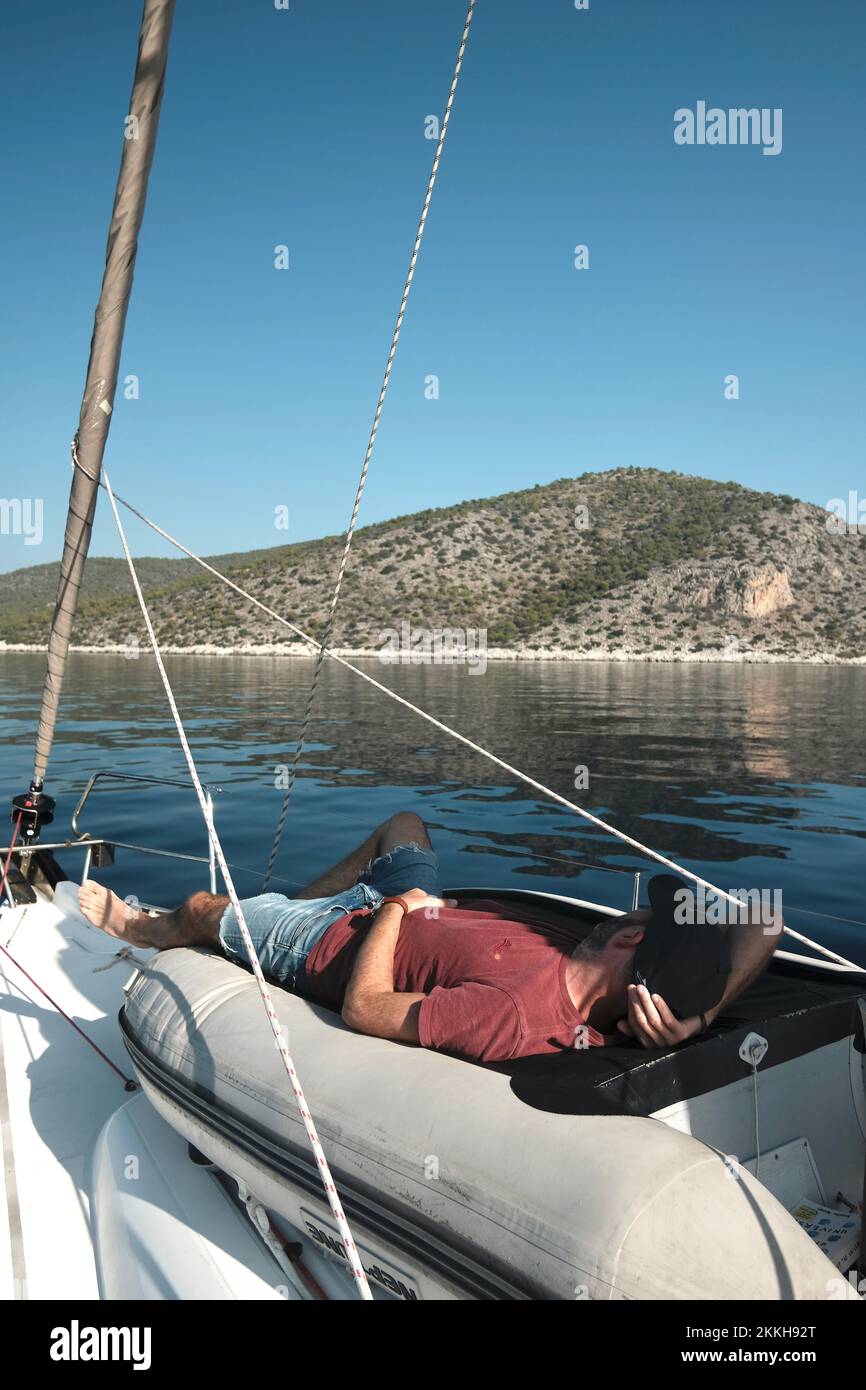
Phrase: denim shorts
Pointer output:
(285, 930)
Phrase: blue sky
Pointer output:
(306, 127)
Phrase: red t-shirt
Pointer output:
(495, 987)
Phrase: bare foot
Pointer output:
(106, 910)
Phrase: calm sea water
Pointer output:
(750, 776)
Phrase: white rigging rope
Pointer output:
(468, 742)
(335, 598)
(336, 1206)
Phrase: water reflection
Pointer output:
(752, 775)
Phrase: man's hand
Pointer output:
(417, 898)
(651, 1021)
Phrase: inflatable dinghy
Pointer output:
(608, 1173)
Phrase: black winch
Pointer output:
(31, 811)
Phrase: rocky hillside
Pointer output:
(633, 561)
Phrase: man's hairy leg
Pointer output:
(401, 829)
(195, 923)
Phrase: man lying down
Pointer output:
(374, 938)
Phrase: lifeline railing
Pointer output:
(84, 840)
(152, 781)
(87, 842)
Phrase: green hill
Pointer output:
(664, 561)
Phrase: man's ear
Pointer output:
(628, 939)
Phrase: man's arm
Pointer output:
(650, 1020)
(370, 1004)
(751, 945)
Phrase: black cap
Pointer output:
(686, 963)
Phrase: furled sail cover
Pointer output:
(140, 129)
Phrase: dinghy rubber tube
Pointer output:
(446, 1174)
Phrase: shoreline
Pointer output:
(476, 660)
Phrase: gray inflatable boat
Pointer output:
(613, 1173)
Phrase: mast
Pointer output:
(139, 143)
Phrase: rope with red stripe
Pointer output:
(127, 1080)
(5, 883)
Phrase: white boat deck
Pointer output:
(55, 1092)
(167, 1228)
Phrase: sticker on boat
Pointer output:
(401, 1284)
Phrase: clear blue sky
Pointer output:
(307, 127)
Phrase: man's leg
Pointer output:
(401, 829)
(195, 923)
